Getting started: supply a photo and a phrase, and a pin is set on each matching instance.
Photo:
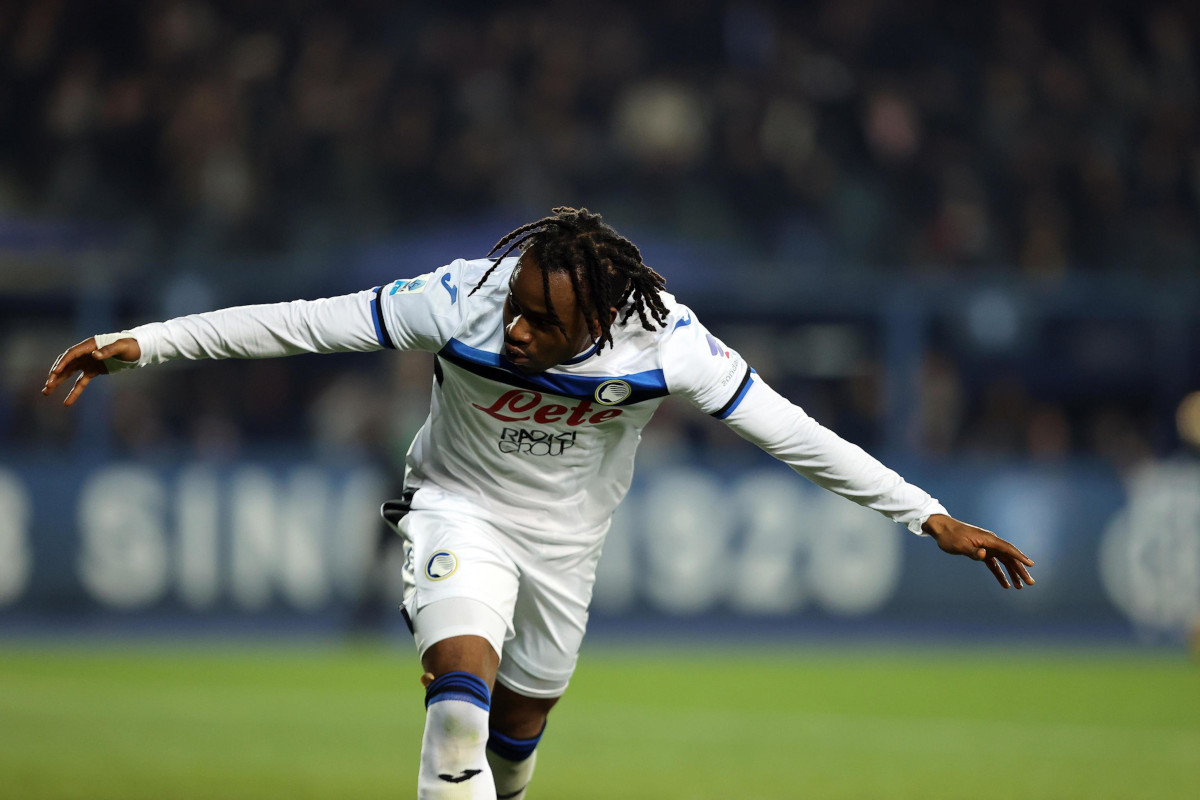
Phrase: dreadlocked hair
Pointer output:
(605, 268)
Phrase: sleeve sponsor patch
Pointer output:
(716, 347)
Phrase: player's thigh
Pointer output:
(549, 620)
(463, 583)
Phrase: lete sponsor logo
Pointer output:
(524, 405)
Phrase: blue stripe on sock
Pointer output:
(512, 749)
(459, 686)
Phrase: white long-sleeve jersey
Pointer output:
(552, 452)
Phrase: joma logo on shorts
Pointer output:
(521, 405)
(535, 442)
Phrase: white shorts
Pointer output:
(537, 593)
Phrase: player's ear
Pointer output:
(597, 330)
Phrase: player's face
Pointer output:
(532, 342)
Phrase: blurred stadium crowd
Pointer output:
(1039, 136)
(1034, 141)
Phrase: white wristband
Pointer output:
(115, 364)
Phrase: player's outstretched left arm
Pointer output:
(88, 360)
(959, 538)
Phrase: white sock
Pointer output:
(511, 777)
(512, 761)
(453, 764)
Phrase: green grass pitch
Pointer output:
(209, 721)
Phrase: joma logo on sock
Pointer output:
(465, 775)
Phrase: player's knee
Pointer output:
(469, 654)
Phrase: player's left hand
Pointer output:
(959, 538)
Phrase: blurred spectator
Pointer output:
(1049, 435)
(1003, 418)
(941, 406)
(1114, 435)
(1004, 134)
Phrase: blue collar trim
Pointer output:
(584, 355)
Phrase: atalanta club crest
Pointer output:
(610, 393)
(441, 565)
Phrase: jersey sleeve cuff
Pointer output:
(934, 507)
(117, 364)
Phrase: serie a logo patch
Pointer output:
(441, 565)
(411, 285)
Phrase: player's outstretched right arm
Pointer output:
(328, 325)
(419, 313)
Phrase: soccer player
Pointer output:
(551, 358)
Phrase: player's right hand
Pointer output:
(959, 538)
(85, 358)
